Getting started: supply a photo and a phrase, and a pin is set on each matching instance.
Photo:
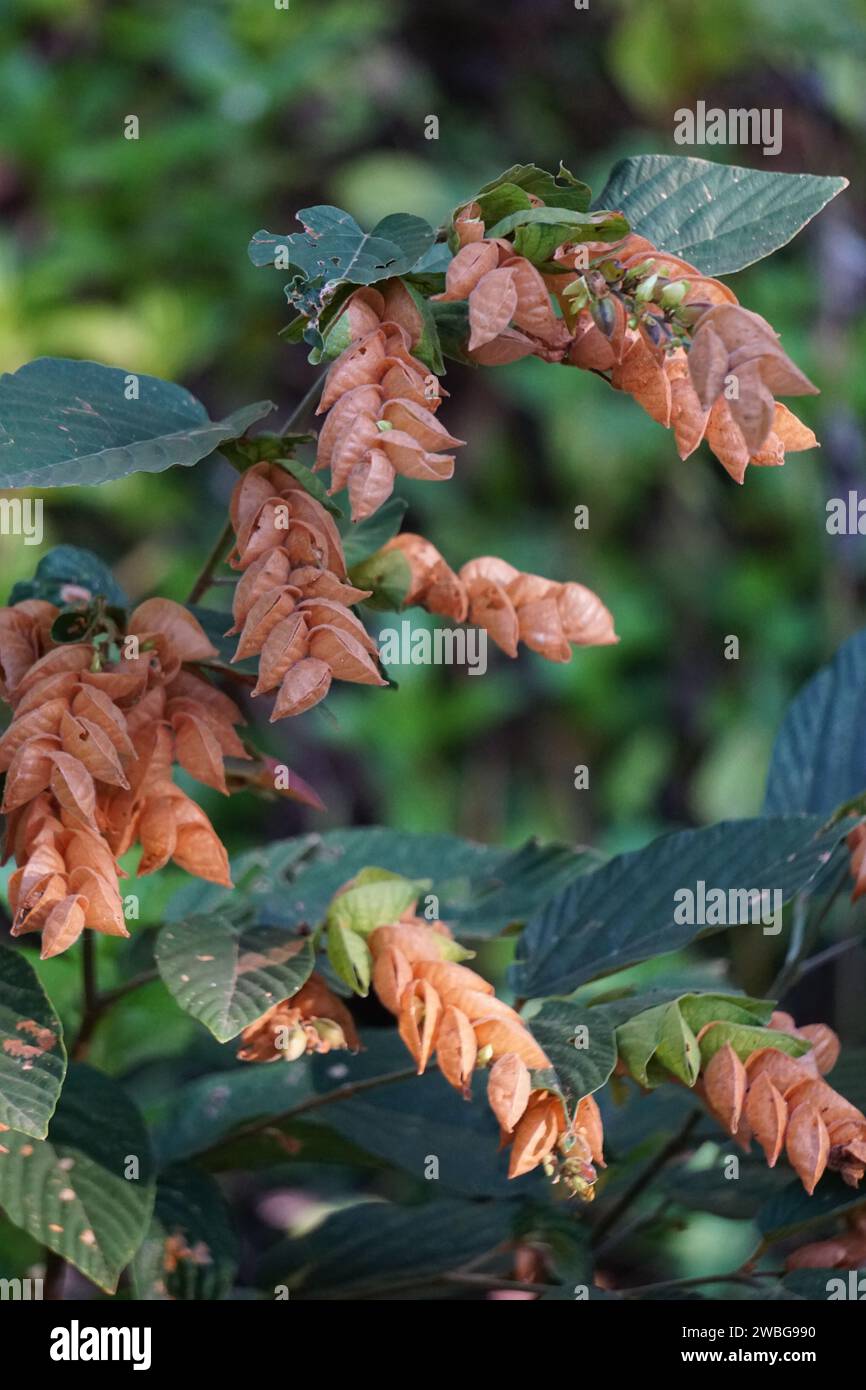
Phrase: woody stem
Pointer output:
(224, 540)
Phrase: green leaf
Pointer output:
(579, 1069)
(191, 1250)
(719, 217)
(70, 1191)
(64, 565)
(32, 1055)
(311, 483)
(541, 230)
(793, 1209)
(452, 325)
(399, 1123)
(388, 575)
(481, 890)
(745, 1040)
(663, 1036)
(627, 911)
(65, 423)
(349, 956)
(333, 248)
(364, 538)
(226, 972)
(428, 349)
(377, 897)
(819, 758)
(561, 189)
(662, 1041)
(374, 1246)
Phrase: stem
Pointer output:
(677, 1142)
(353, 1088)
(226, 536)
(89, 997)
(220, 549)
(96, 1004)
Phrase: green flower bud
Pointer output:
(645, 289)
(673, 294)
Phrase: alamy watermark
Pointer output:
(737, 126)
(22, 517)
(720, 907)
(441, 646)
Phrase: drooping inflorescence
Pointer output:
(784, 1103)
(88, 758)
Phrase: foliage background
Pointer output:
(133, 253)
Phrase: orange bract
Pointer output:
(88, 760)
(381, 403)
(784, 1102)
(512, 607)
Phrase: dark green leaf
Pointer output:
(65, 423)
(819, 757)
(625, 912)
(580, 1070)
(87, 1190)
(718, 217)
(65, 565)
(374, 1246)
(227, 973)
(387, 575)
(32, 1055)
(480, 890)
(364, 538)
(191, 1250)
(793, 1209)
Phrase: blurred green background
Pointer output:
(134, 253)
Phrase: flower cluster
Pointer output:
(291, 606)
(510, 310)
(381, 403)
(88, 760)
(686, 350)
(676, 340)
(313, 1020)
(784, 1101)
(511, 606)
(446, 1008)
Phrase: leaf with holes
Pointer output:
(718, 217)
(191, 1249)
(32, 1055)
(227, 973)
(65, 423)
(87, 1190)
